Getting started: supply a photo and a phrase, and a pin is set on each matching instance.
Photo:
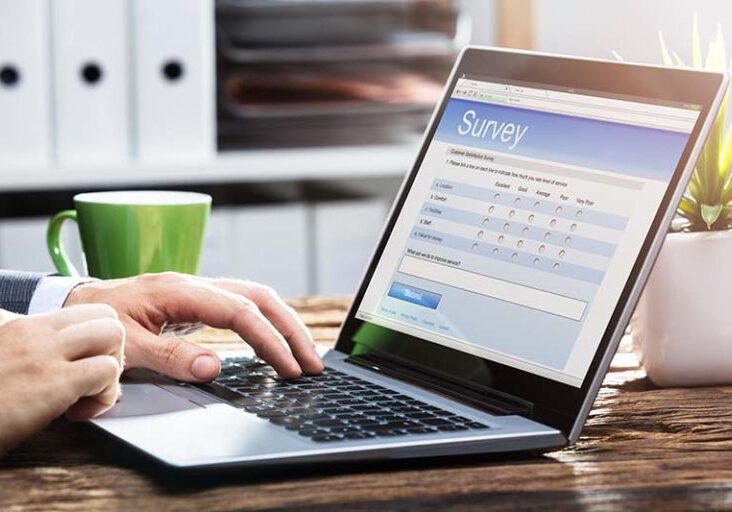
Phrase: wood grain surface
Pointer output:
(643, 448)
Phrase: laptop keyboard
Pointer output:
(332, 406)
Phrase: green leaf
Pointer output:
(710, 213)
(725, 155)
(688, 207)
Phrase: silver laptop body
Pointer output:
(188, 427)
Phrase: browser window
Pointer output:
(524, 221)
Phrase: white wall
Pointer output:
(482, 20)
(23, 245)
(594, 28)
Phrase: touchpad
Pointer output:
(145, 399)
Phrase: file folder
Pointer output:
(91, 89)
(174, 91)
(24, 89)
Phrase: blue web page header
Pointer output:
(637, 151)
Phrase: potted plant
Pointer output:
(682, 327)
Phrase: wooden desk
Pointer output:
(643, 447)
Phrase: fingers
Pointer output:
(284, 319)
(76, 314)
(170, 356)
(96, 381)
(100, 336)
(199, 301)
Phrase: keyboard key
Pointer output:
(435, 421)
(328, 423)
(352, 401)
(430, 408)
(404, 409)
(271, 413)
(312, 431)
(296, 411)
(359, 435)
(420, 415)
(476, 425)
(452, 428)
(336, 396)
(245, 390)
(287, 421)
(367, 408)
(260, 379)
(389, 433)
(353, 388)
(421, 430)
(344, 430)
(388, 417)
(351, 417)
(400, 424)
(315, 416)
(326, 438)
(264, 395)
(336, 411)
(367, 424)
(256, 409)
(455, 418)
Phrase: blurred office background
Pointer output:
(300, 117)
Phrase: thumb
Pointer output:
(170, 356)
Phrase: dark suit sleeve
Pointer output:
(16, 290)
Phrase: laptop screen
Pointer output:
(524, 221)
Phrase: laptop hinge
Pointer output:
(469, 393)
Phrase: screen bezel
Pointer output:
(557, 404)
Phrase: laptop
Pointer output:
(497, 295)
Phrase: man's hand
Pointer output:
(255, 312)
(66, 361)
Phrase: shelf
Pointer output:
(265, 165)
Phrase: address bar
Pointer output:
(604, 113)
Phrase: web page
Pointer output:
(524, 221)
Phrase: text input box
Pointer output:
(507, 291)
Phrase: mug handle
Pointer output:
(56, 248)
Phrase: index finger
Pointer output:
(76, 314)
(283, 317)
(195, 301)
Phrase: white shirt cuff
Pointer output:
(51, 293)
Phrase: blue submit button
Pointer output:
(414, 295)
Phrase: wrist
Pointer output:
(7, 316)
(77, 295)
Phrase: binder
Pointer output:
(24, 90)
(90, 75)
(174, 94)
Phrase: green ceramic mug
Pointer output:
(127, 233)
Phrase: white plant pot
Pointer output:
(682, 327)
